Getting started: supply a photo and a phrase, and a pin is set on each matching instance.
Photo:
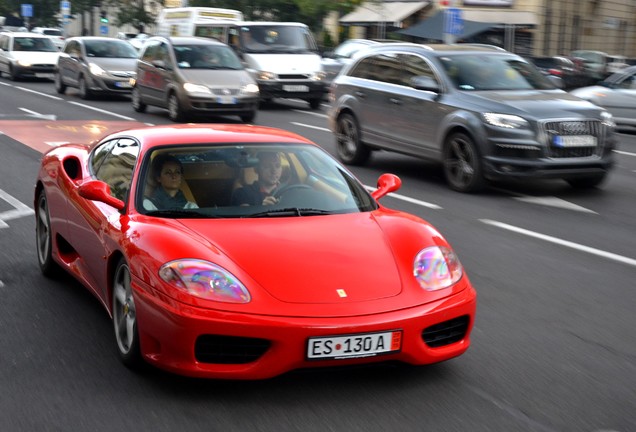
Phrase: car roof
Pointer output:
(190, 40)
(437, 48)
(26, 34)
(96, 38)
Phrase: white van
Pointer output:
(283, 57)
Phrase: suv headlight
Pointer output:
(505, 121)
(607, 119)
(265, 76)
(249, 89)
(317, 76)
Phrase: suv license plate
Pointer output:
(295, 88)
(574, 141)
(352, 346)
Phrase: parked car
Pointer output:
(483, 113)
(325, 276)
(617, 94)
(615, 63)
(595, 63)
(95, 65)
(54, 33)
(24, 54)
(572, 75)
(192, 76)
(333, 61)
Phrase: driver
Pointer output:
(260, 192)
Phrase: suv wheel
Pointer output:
(314, 104)
(60, 87)
(350, 148)
(249, 117)
(462, 164)
(137, 104)
(174, 110)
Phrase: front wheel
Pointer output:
(174, 110)
(351, 149)
(44, 237)
(13, 74)
(248, 118)
(314, 104)
(462, 164)
(60, 87)
(137, 104)
(84, 91)
(125, 317)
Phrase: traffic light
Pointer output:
(103, 17)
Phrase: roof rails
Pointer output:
(492, 47)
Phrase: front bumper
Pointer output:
(35, 70)
(171, 336)
(304, 90)
(111, 85)
(218, 105)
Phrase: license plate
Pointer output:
(226, 100)
(574, 141)
(295, 88)
(123, 84)
(44, 75)
(354, 346)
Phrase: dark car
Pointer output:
(571, 72)
(482, 112)
(96, 65)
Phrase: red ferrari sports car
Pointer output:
(244, 252)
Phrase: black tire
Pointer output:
(351, 149)
(174, 109)
(248, 118)
(137, 103)
(44, 238)
(462, 164)
(587, 182)
(125, 317)
(84, 91)
(13, 74)
(60, 87)
(314, 104)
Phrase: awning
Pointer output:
(501, 17)
(433, 28)
(392, 13)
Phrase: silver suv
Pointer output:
(483, 112)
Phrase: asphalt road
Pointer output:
(554, 346)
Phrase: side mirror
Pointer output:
(160, 64)
(96, 190)
(387, 183)
(425, 83)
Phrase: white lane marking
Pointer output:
(38, 115)
(624, 153)
(551, 201)
(408, 199)
(20, 210)
(566, 243)
(39, 93)
(317, 114)
(102, 111)
(311, 126)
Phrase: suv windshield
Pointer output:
(277, 39)
(493, 72)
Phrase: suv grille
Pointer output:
(559, 131)
(229, 349)
(447, 332)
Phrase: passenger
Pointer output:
(167, 170)
(260, 192)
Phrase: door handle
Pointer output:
(395, 101)
(360, 94)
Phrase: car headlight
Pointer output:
(436, 268)
(24, 63)
(196, 88)
(96, 70)
(607, 119)
(505, 121)
(204, 280)
(266, 76)
(249, 89)
(317, 76)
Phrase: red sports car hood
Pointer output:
(317, 259)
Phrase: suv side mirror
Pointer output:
(160, 64)
(425, 83)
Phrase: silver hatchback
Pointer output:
(481, 112)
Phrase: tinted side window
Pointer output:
(381, 67)
(413, 66)
(362, 69)
(114, 162)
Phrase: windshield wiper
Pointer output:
(289, 211)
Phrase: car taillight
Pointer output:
(555, 72)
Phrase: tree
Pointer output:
(134, 12)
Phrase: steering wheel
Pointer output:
(287, 188)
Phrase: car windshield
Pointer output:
(206, 57)
(114, 48)
(34, 44)
(277, 39)
(247, 181)
(474, 72)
